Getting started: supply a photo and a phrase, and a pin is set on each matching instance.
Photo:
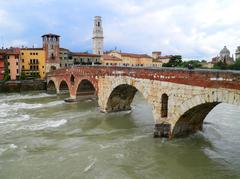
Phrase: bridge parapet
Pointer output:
(203, 78)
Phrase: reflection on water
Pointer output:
(41, 136)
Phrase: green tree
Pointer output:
(22, 76)
(194, 63)
(220, 66)
(6, 75)
(174, 61)
(236, 65)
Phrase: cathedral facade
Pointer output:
(224, 56)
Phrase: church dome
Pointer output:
(225, 51)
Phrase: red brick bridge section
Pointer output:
(180, 98)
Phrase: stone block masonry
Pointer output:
(180, 99)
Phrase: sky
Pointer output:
(195, 29)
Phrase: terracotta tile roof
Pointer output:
(10, 51)
(81, 54)
(132, 55)
(164, 57)
(110, 58)
(64, 49)
(31, 48)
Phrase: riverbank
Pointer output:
(22, 86)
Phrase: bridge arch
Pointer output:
(194, 111)
(121, 98)
(51, 87)
(86, 87)
(64, 87)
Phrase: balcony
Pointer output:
(33, 63)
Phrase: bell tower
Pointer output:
(52, 50)
(98, 36)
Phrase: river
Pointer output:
(43, 137)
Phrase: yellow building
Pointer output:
(111, 60)
(33, 62)
(134, 60)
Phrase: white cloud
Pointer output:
(8, 23)
(194, 29)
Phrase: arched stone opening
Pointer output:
(121, 98)
(164, 108)
(53, 68)
(51, 87)
(72, 79)
(192, 120)
(63, 88)
(86, 89)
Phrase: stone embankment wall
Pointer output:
(22, 86)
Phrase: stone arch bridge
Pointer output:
(180, 98)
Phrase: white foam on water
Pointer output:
(20, 118)
(44, 125)
(13, 146)
(16, 106)
(105, 146)
(89, 167)
(118, 156)
(54, 103)
(6, 108)
(3, 114)
(24, 96)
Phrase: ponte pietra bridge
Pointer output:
(180, 98)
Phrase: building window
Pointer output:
(30, 53)
(42, 66)
(164, 110)
(23, 67)
(22, 60)
(22, 53)
(17, 71)
(72, 79)
(16, 63)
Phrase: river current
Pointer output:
(43, 137)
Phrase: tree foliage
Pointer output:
(6, 75)
(22, 76)
(174, 61)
